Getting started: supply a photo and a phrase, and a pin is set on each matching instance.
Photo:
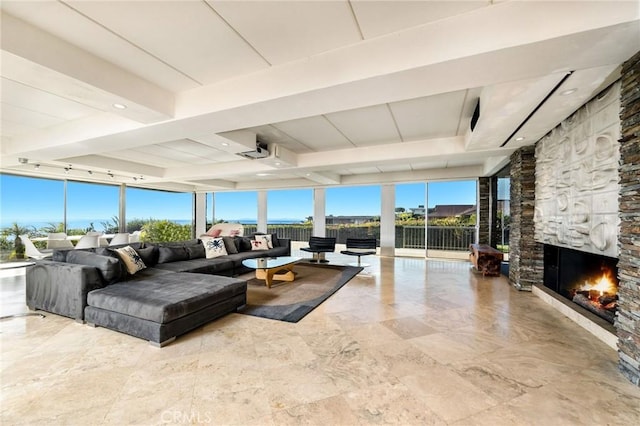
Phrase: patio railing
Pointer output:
(453, 238)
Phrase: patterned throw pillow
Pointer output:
(214, 247)
(131, 259)
(259, 245)
(267, 239)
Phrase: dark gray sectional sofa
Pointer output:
(178, 291)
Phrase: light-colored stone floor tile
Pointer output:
(293, 385)
(444, 349)
(402, 359)
(408, 327)
(447, 394)
(285, 351)
(374, 334)
(390, 405)
(330, 411)
(225, 407)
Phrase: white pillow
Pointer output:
(267, 239)
(259, 245)
(214, 247)
(131, 259)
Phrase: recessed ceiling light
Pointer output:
(278, 164)
(225, 144)
(568, 92)
(521, 138)
(263, 174)
(119, 106)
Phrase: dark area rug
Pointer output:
(291, 301)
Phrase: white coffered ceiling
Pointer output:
(343, 92)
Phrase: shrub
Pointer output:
(164, 230)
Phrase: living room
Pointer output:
(374, 107)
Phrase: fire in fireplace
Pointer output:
(589, 280)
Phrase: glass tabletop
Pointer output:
(270, 262)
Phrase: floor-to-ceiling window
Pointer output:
(92, 207)
(410, 218)
(160, 215)
(32, 206)
(353, 212)
(504, 212)
(238, 207)
(451, 216)
(290, 213)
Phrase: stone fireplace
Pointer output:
(584, 212)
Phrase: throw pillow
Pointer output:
(259, 245)
(230, 245)
(244, 244)
(267, 240)
(196, 251)
(149, 255)
(172, 254)
(215, 233)
(214, 247)
(131, 258)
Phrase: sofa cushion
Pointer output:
(172, 254)
(244, 244)
(165, 298)
(230, 245)
(109, 267)
(196, 251)
(131, 258)
(218, 266)
(149, 255)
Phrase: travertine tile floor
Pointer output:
(414, 342)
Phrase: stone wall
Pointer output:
(628, 319)
(484, 210)
(525, 254)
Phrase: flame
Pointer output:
(603, 284)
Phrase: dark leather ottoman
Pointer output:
(160, 308)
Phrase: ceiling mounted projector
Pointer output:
(261, 151)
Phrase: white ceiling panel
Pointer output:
(26, 97)
(11, 129)
(147, 157)
(191, 147)
(429, 117)
(421, 165)
(366, 126)
(284, 31)
(28, 118)
(388, 168)
(70, 25)
(364, 170)
(187, 35)
(316, 133)
(383, 17)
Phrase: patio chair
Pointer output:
(319, 246)
(134, 237)
(120, 238)
(88, 241)
(32, 251)
(360, 247)
(57, 240)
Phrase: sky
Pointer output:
(33, 200)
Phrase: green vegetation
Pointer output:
(14, 231)
(164, 230)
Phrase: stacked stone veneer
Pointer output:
(577, 178)
(525, 254)
(484, 210)
(628, 319)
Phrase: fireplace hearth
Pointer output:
(589, 280)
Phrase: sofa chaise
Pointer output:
(179, 289)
